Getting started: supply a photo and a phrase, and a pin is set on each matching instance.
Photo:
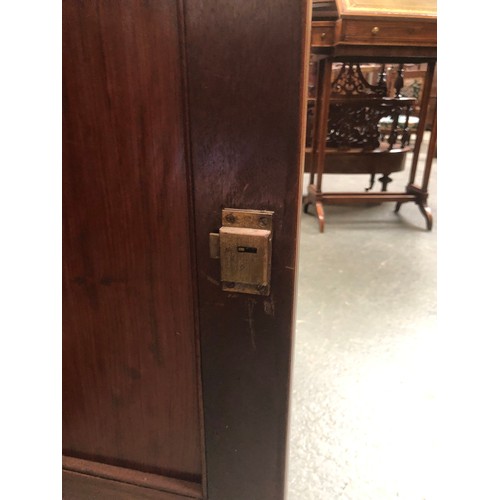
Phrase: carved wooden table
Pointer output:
(347, 34)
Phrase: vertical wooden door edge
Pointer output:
(192, 235)
(245, 121)
(133, 477)
(306, 49)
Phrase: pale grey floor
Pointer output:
(364, 405)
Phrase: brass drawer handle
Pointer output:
(375, 30)
(323, 36)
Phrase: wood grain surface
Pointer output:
(130, 379)
(131, 477)
(245, 62)
(76, 486)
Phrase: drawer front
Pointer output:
(322, 36)
(386, 32)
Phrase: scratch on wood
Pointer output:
(269, 307)
(251, 305)
(291, 268)
(212, 280)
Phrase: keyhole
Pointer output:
(247, 250)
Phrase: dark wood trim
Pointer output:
(341, 198)
(382, 53)
(77, 486)
(132, 477)
(194, 263)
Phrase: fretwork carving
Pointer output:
(351, 82)
(354, 123)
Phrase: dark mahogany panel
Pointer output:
(130, 380)
(245, 61)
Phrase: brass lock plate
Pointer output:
(245, 245)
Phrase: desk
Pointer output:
(354, 33)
